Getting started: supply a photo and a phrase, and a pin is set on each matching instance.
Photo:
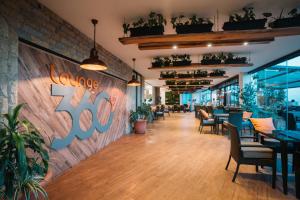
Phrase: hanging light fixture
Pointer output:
(133, 81)
(93, 62)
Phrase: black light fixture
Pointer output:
(133, 82)
(93, 62)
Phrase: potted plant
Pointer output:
(181, 83)
(204, 82)
(183, 75)
(153, 26)
(194, 24)
(244, 22)
(23, 158)
(200, 73)
(231, 59)
(210, 59)
(167, 61)
(181, 60)
(168, 74)
(217, 72)
(140, 117)
(170, 82)
(292, 20)
(157, 62)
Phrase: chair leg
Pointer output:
(228, 162)
(256, 168)
(236, 172)
(274, 175)
(201, 129)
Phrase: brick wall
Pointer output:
(30, 20)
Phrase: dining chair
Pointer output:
(235, 118)
(206, 121)
(246, 122)
(249, 154)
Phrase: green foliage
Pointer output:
(154, 19)
(23, 158)
(274, 99)
(247, 16)
(248, 97)
(142, 112)
(193, 20)
(184, 57)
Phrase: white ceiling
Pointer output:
(111, 15)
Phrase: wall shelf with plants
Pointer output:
(196, 75)
(189, 83)
(172, 61)
(193, 24)
(154, 25)
(292, 19)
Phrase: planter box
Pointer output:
(195, 28)
(236, 61)
(142, 31)
(285, 22)
(168, 76)
(200, 75)
(210, 62)
(154, 64)
(185, 76)
(182, 63)
(245, 25)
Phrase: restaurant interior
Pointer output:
(149, 100)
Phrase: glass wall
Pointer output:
(277, 92)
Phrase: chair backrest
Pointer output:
(203, 114)
(236, 118)
(235, 141)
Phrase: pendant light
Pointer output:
(134, 82)
(93, 62)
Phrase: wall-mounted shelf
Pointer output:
(187, 85)
(190, 79)
(195, 66)
(220, 38)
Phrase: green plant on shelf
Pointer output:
(193, 20)
(23, 158)
(247, 16)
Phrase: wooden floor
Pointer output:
(171, 162)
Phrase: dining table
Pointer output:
(219, 118)
(286, 137)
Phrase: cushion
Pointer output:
(264, 125)
(204, 114)
(250, 143)
(208, 121)
(257, 152)
(247, 115)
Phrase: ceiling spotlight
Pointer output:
(209, 45)
(174, 46)
(245, 43)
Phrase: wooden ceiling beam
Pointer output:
(182, 45)
(197, 66)
(242, 35)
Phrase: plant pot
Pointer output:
(184, 75)
(285, 22)
(199, 75)
(167, 64)
(194, 28)
(245, 25)
(210, 62)
(182, 63)
(140, 126)
(142, 31)
(156, 64)
(235, 61)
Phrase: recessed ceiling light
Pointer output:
(174, 46)
(209, 45)
(245, 43)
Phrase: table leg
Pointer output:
(297, 170)
(284, 166)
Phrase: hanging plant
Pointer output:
(194, 24)
(168, 74)
(154, 25)
(183, 75)
(292, 19)
(246, 21)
